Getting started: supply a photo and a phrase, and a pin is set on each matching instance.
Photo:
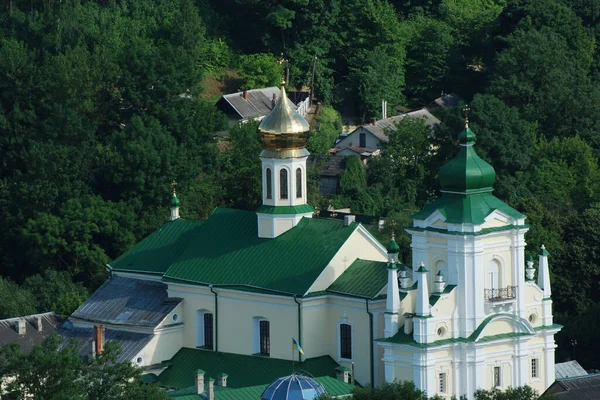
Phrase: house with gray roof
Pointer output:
(254, 104)
(367, 138)
(28, 330)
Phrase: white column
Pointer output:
(544, 272)
(392, 305)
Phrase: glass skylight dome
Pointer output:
(293, 387)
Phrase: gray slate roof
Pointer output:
(380, 127)
(578, 388)
(259, 102)
(328, 165)
(569, 369)
(9, 332)
(446, 100)
(128, 302)
(131, 343)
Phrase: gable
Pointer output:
(360, 244)
(353, 139)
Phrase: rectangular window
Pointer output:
(534, 368)
(265, 338)
(497, 375)
(442, 382)
(362, 140)
(345, 341)
(208, 331)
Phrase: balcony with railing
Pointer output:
(503, 294)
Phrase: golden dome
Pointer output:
(283, 128)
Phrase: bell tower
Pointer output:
(284, 133)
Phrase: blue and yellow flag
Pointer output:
(296, 346)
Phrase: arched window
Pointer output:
(204, 329)
(269, 184)
(493, 278)
(261, 332)
(283, 183)
(298, 182)
(346, 341)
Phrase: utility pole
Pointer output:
(312, 80)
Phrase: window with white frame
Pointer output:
(497, 377)
(204, 329)
(535, 368)
(442, 383)
(345, 341)
(261, 336)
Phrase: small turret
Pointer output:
(422, 306)
(403, 278)
(174, 202)
(530, 270)
(392, 305)
(440, 284)
(393, 249)
(544, 272)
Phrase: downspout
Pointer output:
(299, 328)
(216, 318)
(371, 345)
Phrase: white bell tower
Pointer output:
(284, 133)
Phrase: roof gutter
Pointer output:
(371, 343)
(299, 326)
(216, 317)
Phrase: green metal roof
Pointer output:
(467, 172)
(303, 209)
(334, 388)
(436, 296)
(362, 279)
(243, 370)
(156, 253)
(228, 251)
(483, 231)
(466, 208)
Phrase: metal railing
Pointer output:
(507, 293)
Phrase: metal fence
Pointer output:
(506, 293)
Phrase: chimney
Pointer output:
(93, 348)
(211, 389)
(199, 381)
(245, 95)
(348, 219)
(222, 380)
(21, 327)
(373, 121)
(343, 374)
(40, 327)
(99, 338)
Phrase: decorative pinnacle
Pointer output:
(466, 110)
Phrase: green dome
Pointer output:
(467, 172)
(393, 247)
(174, 201)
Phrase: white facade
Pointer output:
(489, 328)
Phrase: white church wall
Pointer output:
(163, 346)
(318, 337)
(361, 244)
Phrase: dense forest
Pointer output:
(104, 102)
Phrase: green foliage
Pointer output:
(259, 71)
(55, 291)
(518, 393)
(52, 371)
(431, 53)
(326, 127)
(242, 175)
(404, 390)
(354, 176)
(14, 300)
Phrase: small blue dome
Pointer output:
(293, 387)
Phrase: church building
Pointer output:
(223, 298)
